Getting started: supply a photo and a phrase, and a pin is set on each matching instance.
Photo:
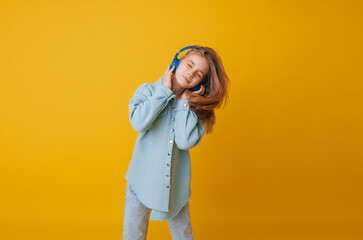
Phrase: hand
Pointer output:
(167, 76)
(187, 92)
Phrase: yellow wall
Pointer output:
(285, 158)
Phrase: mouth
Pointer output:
(186, 79)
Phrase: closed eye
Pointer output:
(198, 74)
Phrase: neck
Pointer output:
(176, 88)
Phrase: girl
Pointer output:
(171, 119)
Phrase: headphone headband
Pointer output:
(185, 48)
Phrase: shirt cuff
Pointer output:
(167, 92)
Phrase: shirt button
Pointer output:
(167, 175)
(170, 141)
(185, 105)
(169, 153)
(173, 119)
(174, 108)
(172, 130)
(167, 164)
(167, 186)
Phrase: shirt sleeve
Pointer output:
(188, 129)
(146, 104)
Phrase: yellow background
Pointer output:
(285, 158)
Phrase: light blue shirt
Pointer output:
(159, 171)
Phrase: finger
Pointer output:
(202, 88)
(200, 91)
(167, 68)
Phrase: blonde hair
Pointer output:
(215, 94)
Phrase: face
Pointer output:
(192, 70)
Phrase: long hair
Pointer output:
(215, 94)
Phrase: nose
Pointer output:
(189, 75)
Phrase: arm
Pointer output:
(188, 129)
(146, 105)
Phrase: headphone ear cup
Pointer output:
(176, 64)
(196, 88)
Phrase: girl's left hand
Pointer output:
(187, 92)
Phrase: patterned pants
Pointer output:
(136, 220)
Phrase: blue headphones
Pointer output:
(176, 62)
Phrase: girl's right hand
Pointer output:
(167, 76)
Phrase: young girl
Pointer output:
(171, 118)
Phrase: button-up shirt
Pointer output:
(159, 171)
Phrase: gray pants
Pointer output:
(136, 220)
